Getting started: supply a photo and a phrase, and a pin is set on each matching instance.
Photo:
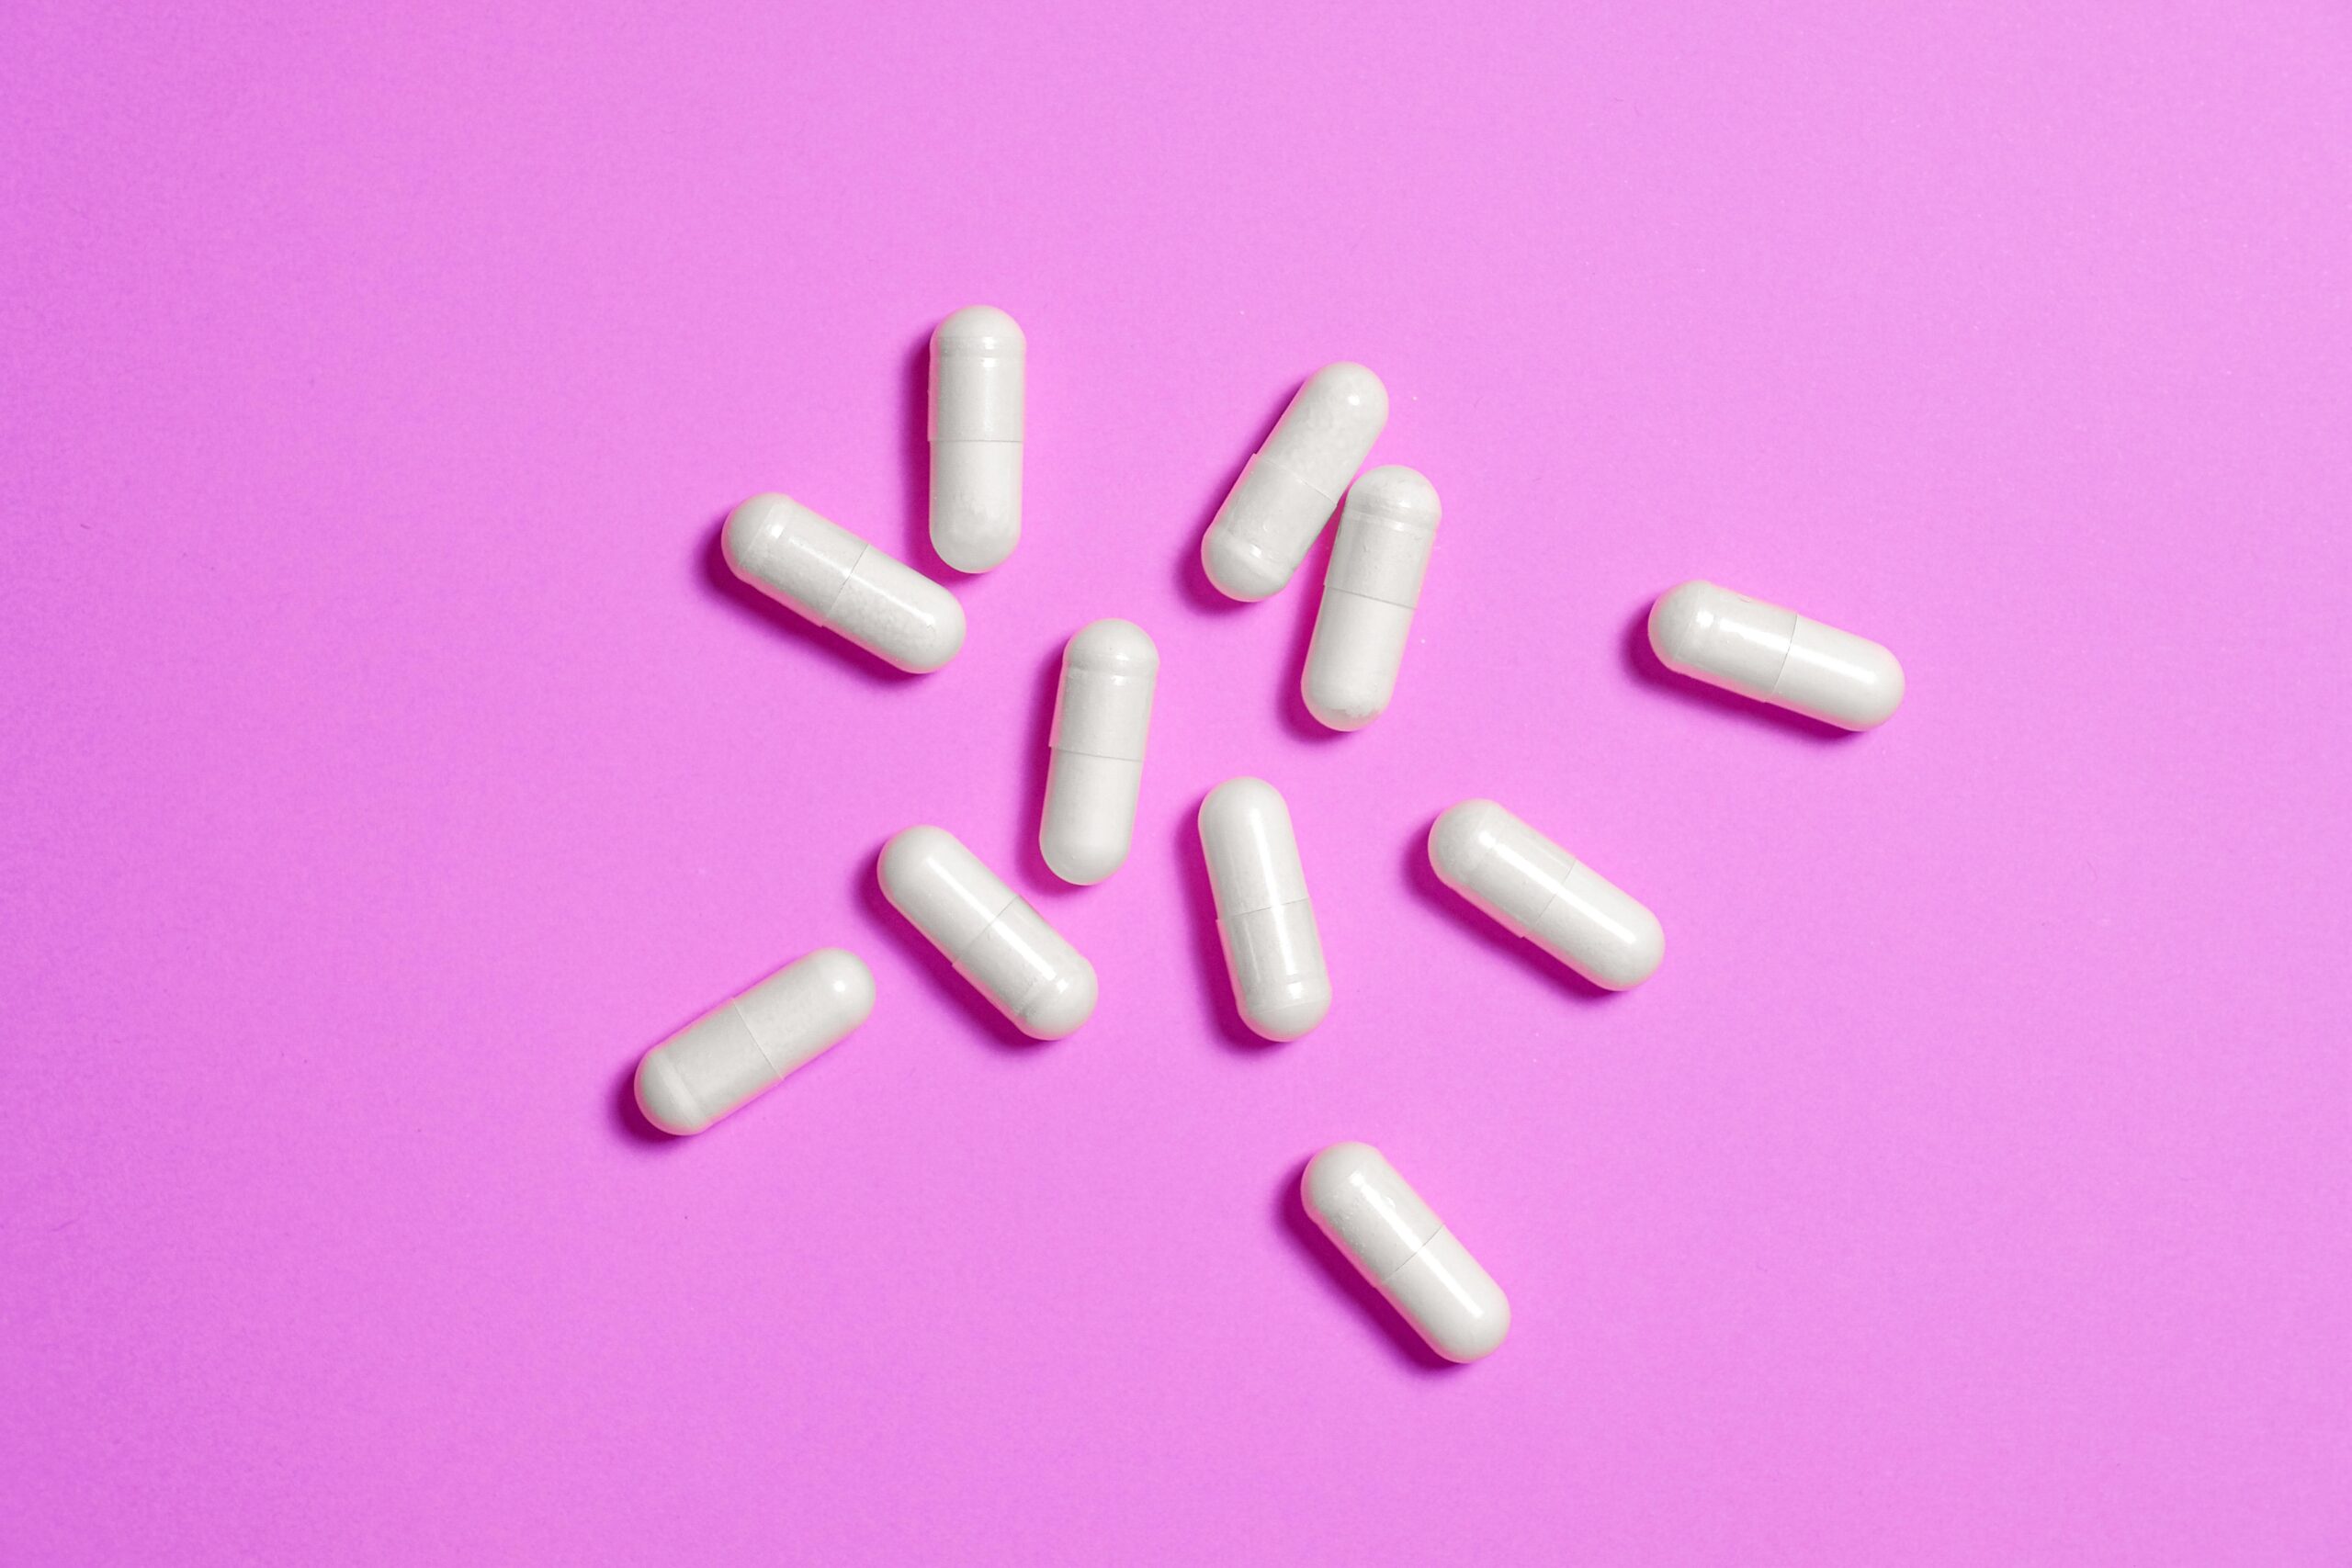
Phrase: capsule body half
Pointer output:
(1288, 490)
(1538, 890)
(992, 936)
(978, 364)
(1102, 717)
(836, 579)
(1272, 946)
(1356, 1198)
(741, 1048)
(1775, 655)
(1386, 533)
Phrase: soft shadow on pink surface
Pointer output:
(1345, 1284)
(1641, 659)
(1190, 575)
(914, 466)
(719, 580)
(991, 1025)
(1307, 591)
(1208, 948)
(1483, 929)
(1035, 762)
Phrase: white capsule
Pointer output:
(1775, 655)
(1385, 534)
(1357, 1199)
(1101, 715)
(1272, 945)
(1287, 492)
(977, 365)
(842, 583)
(741, 1048)
(992, 936)
(1537, 890)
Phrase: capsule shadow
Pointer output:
(1488, 933)
(719, 580)
(1307, 588)
(1191, 577)
(1643, 661)
(998, 1030)
(1209, 946)
(1344, 1282)
(1035, 763)
(914, 466)
(628, 1119)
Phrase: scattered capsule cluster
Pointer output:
(1011, 954)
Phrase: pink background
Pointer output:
(386, 761)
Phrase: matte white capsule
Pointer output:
(1287, 492)
(1102, 715)
(1272, 945)
(741, 1048)
(977, 364)
(1386, 535)
(1775, 655)
(1355, 1196)
(1537, 890)
(842, 583)
(992, 936)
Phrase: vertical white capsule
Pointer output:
(1775, 655)
(1287, 492)
(741, 1048)
(1272, 945)
(992, 936)
(977, 364)
(1357, 1199)
(1101, 715)
(1537, 890)
(1386, 535)
(842, 583)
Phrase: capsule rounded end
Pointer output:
(939, 641)
(1883, 692)
(845, 984)
(1083, 859)
(1395, 490)
(1635, 958)
(1065, 1004)
(1340, 703)
(1236, 802)
(904, 857)
(1355, 386)
(1680, 622)
(750, 528)
(1239, 569)
(1324, 1185)
(1287, 1021)
(1113, 647)
(980, 329)
(1463, 836)
(663, 1096)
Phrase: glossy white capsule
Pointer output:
(1288, 490)
(1538, 890)
(741, 1048)
(992, 936)
(842, 583)
(1386, 532)
(1272, 945)
(977, 364)
(1775, 655)
(1101, 715)
(1357, 1199)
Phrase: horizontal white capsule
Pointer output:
(992, 936)
(1101, 716)
(1386, 532)
(977, 364)
(1539, 891)
(842, 583)
(1288, 490)
(741, 1048)
(1775, 655)
(1357, 1199)
(1272, 945)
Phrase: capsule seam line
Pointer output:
(1787, 659)
(1302, 479)
(1407, 1261)
(826, 620)
(753, 1030)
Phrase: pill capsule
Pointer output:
(1357, 1199)
(743, 1048)
(1288, 490)
(1386, 531)
(1271, 947)
(1101, 716)
(842, 583)
(1538, 890)
(977, 358)
(993, 937)
(1775, 655)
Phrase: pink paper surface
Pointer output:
(387, 760)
